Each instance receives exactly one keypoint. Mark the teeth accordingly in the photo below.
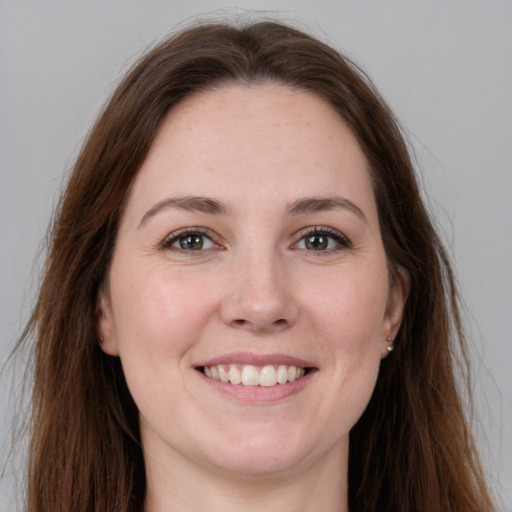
(249, 375)
(234, 374)
(282, 374)
(268, 376)
(223, 374)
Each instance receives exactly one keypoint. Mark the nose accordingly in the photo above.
(259, 297)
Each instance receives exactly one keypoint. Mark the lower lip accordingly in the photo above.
(259, 394)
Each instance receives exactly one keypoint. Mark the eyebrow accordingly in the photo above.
(322, 204)
(211, 206)
(187, 203)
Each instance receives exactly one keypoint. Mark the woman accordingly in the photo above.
(245, 305)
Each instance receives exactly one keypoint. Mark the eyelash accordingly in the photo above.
(341, 240)
(175, 236)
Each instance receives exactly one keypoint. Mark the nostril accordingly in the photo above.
(242, 323)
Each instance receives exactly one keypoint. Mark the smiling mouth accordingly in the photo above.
(250, 375)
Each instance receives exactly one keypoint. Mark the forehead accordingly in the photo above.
(274, 141)
(278, 115)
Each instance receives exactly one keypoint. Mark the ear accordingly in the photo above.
(398, 293)
(105, 324)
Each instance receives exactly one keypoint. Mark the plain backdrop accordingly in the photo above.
(445, 67)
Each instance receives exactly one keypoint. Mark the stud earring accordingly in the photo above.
(389, 347)
(102, 339)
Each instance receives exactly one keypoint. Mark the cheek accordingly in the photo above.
(351, 310)
(349, 321)
(157, 316)
(157, 321)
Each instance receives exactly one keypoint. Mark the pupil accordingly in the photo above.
(193, 242)
(316, 242)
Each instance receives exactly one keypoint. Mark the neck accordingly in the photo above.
(185, 487)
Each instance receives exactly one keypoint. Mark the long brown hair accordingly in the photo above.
(411, 449)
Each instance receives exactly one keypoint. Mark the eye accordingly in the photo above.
(322, 240)
(190, 240)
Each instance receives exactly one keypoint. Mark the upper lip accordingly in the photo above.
(244, 358)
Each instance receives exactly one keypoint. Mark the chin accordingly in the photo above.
(264, 455)
(260, 466)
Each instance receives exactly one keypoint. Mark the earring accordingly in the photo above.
(389, 347)
(102, 339)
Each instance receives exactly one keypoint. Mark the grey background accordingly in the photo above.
(445, 67)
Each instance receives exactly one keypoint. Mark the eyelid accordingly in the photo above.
(342, 240)
(171, 238)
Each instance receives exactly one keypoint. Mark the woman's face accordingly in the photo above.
(250, 249)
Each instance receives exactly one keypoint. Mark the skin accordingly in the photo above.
(255, 287)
